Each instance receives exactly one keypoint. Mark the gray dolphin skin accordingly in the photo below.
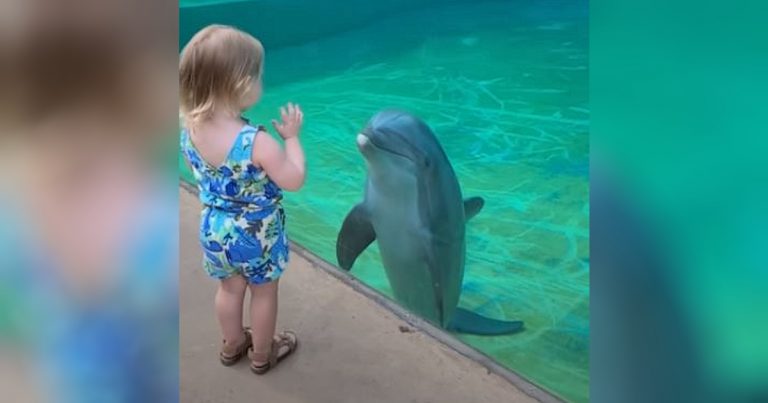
(414, 208)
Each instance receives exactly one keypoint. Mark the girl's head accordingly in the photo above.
(220, 71)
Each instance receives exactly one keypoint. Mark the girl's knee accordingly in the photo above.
(234, 285)
(266, 289)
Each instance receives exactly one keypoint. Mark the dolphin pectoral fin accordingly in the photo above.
(355, 235)
(472, 206)
(468, 322)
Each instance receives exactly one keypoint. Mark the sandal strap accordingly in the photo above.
(234, 352)
(261, 357)
(273, 354)
(284, 339)
(240, 348)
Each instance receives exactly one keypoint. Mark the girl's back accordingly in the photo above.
(221, 156)
(214, 139)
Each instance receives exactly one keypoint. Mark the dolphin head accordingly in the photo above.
(395, 138)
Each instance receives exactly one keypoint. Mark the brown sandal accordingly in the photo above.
(231, 357)
(287, 341)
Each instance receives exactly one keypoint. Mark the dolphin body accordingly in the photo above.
(414, 208)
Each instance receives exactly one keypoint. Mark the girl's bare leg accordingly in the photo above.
(229, 309)
(263, 317)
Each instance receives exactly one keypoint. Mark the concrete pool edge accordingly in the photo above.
(435, 333)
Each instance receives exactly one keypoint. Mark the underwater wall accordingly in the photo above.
(280, 23)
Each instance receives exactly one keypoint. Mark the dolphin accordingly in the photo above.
(414, 209)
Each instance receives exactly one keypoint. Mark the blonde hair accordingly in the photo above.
(217, 69)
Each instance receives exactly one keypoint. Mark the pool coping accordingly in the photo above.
(416, 322)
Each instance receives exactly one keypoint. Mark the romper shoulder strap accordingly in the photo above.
(243, 149)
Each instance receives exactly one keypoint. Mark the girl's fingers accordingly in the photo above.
(291, 114)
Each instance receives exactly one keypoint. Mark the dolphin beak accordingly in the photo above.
(362, 141)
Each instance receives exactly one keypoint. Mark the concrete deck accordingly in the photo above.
(352, 349)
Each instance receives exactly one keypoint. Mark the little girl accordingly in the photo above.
(240, 171)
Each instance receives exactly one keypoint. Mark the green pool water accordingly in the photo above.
(504, 85)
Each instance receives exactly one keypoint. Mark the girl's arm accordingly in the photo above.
(285, 167)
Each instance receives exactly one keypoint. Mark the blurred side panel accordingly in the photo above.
(679, 201)
(88, 201)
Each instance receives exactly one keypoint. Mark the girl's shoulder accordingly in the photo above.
(258, 128)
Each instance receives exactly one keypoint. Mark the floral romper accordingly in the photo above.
(242, 225)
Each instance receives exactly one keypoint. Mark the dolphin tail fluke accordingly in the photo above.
(472, 206)
(355, 235)
(469, 322)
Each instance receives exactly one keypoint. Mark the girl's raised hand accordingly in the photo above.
(292, 119)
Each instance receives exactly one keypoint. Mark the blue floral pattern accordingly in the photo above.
(242, 225)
